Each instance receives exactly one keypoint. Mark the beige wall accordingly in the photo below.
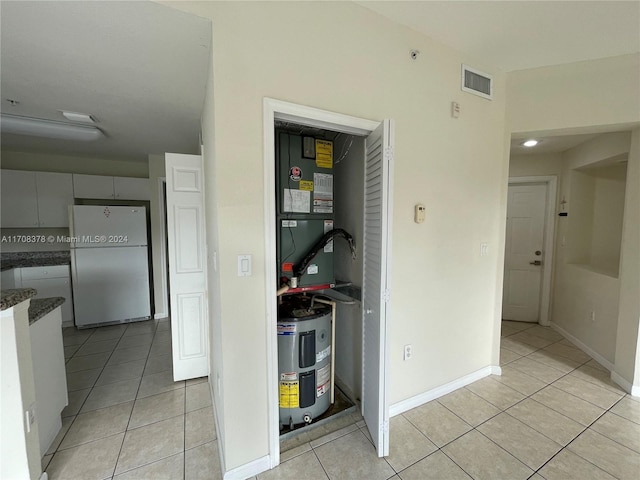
(44, 162)
(582, 283)
(627, 358)
(535, 165)
(357, 62)
(576, 95)
(589, 97)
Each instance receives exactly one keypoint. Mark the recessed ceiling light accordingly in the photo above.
(530, 143)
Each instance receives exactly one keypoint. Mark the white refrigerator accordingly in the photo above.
(109, 264)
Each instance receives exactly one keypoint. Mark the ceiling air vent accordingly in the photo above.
(477, 82)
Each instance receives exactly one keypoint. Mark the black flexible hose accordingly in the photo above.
(301, 267)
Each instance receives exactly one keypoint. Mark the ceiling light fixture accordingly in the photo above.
(39, 127)
(530, 143)
(79, 117)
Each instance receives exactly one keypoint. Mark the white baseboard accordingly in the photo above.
(627, 386)
(585, 348)
(421, 399)
(68, 323)
(249, 469)
(160, 315)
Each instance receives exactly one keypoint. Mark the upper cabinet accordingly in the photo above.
(118, 188)
(35, 199)
(55, 194)
(127, 188)
(92, 186)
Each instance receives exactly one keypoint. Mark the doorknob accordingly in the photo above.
(538, 252)
(369, 311)
(535, 262)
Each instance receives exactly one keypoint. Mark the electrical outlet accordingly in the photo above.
(408, 352)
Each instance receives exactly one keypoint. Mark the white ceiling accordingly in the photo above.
(516, 35)
(139, 68)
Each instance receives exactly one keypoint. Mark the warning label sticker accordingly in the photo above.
(323, 378)
(287, 329)
(306, 185)
(322, 389)
(289, 376)
(324, 153)
(289, 223)
(312, 269)
(328, 226)
(289, 394)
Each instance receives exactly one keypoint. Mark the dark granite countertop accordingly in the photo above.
(39, 307)
(34, 259)
(12, 297)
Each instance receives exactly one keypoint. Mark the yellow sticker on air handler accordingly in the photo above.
(289, 395)
(306, 185)
(324, 153)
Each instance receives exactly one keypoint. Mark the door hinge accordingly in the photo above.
(384, 427)
(388, 153)
(386, 295)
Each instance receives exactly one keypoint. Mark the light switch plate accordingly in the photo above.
(244, 265)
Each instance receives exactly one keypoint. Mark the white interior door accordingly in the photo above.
(375, 288)
(187, 265)
(524, 252)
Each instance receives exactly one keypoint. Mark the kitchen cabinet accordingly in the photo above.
(19, 199)
(54, 281)
(109, 188)
(128, 188)
(7, 279)
(35, 199)
(49, 375)
(55, 194)
(92, 186)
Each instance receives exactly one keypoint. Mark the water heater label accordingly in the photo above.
(287, 329)
(289, 395)
(323, 354)
(322, 380)
(289, 377)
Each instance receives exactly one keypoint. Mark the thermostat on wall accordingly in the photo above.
(419, 213)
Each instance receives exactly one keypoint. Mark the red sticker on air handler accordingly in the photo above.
(287, 267)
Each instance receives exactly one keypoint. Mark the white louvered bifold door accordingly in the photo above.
(375, 288)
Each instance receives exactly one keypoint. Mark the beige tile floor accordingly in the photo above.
(553, 414)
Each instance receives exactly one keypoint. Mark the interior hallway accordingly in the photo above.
(553, 414)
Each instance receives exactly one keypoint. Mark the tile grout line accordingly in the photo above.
(119, 339)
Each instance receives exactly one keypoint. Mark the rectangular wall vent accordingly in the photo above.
(477, 82)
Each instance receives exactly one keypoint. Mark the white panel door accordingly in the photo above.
(187, 265)
(375, 288)
(523, 252)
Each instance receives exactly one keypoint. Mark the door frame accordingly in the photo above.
(303, 115)
(551, 184)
